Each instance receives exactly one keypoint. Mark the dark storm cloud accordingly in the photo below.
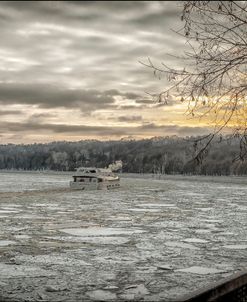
(84, 130)
(131, 118)
(127, 118)
(41, 115)
(127, 107)
(58, 128)
(127, 95)
(145, 101)
(10, 112)
(47, 96)
(50, 96)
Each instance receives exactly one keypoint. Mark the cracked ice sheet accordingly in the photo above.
(13, 271)
(55, 259)
(120, 264)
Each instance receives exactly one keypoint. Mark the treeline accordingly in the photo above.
(167, 155)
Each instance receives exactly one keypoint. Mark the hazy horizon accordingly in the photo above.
(124, 139)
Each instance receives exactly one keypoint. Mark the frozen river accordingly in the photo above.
(150, 240)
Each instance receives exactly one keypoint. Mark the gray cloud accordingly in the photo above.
(85, 55)
(68, 40)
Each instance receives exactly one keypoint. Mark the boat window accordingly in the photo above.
(92, 171)
(81, 180)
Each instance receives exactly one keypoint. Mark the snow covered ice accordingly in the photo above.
(151, 240)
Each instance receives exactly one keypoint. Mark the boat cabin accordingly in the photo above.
(84, 179)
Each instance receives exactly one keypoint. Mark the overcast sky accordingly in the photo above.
(71, 70)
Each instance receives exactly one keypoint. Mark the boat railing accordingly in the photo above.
(233, 288)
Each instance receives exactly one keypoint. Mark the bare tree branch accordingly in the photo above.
(214, 79)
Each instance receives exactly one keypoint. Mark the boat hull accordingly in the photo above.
(83, 186)
(106, 185)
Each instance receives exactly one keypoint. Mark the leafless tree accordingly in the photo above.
(213, 80)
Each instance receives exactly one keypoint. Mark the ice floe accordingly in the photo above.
(195, 240)
(101, 295)
(6, 242)
(101, 231)
(22, 236)
(169, 205)
(181, 245)
(236, 246)
(144, 210)
(8, 211)
(200, 270)
(133, 292)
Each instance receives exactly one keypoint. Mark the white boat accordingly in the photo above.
(94, 179)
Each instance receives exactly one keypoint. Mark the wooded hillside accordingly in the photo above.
(165, 155)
